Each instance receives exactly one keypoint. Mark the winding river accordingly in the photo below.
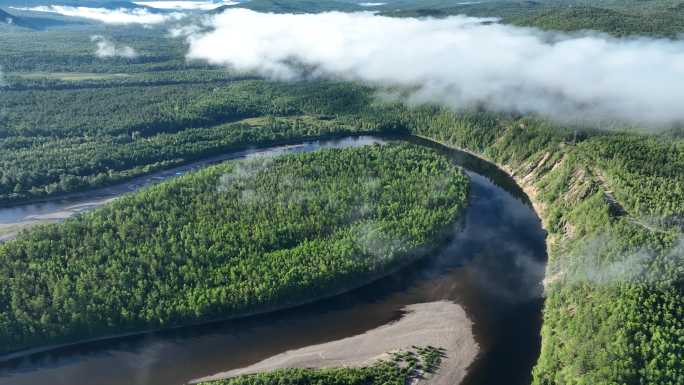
(493, 267)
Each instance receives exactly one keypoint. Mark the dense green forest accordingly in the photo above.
(401, 369)
(229, 240)
(64, 141)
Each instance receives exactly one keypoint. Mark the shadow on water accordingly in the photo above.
(493, 266)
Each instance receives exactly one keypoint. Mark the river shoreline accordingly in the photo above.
(441, 324)
(224, 154)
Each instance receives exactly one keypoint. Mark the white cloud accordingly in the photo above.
(107, 48)
(185, 31)
(186, 5)
(371, 4)
(461, 61)
(109, 16)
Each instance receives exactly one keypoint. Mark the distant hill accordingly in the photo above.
(6, 18)
(294, 6)
(436, 8)
(9, 20)
(631, 18)
(109, 4)
(118, 5)
(669, 23)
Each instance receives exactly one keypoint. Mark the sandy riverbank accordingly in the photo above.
(440, 324)
(9, 231)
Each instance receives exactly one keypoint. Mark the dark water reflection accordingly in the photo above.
(493, 267)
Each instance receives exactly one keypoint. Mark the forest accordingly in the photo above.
(233, 239)
(657, 18)
(134, 131)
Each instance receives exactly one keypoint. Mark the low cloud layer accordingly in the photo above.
(109, 16)
(461, 62)
(186, 5)
(108, 49)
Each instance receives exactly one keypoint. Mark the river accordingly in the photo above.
(493, 267)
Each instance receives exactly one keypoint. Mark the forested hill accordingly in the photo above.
(233, 239)
(666, 23)
(618, 18)
(10, 22)
(6, 18)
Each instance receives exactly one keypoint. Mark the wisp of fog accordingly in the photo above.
(107, 48)
(460, 62)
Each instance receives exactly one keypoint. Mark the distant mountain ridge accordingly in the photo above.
(294, 6)
(9, 20)
(6, 17)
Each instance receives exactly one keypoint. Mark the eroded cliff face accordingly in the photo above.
(611, 283)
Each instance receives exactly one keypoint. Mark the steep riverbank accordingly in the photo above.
(524, 174)
(615, 250)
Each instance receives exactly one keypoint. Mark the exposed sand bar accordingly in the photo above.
(441, 324)
(9, 231)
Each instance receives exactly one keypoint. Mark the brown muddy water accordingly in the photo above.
(493, 266)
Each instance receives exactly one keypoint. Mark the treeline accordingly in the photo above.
(71, 80)
(232, 239)
(401, 369)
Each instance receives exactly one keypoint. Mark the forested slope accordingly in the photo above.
(614, 312)
(655, 18)
(232, 239)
